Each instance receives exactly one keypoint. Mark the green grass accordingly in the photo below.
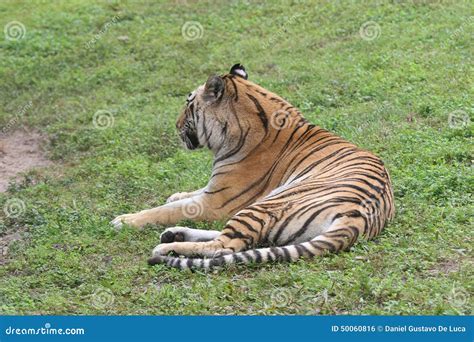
(391, 95)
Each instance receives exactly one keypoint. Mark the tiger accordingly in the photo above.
(286, 188)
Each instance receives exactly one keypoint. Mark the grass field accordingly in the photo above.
(105, 83)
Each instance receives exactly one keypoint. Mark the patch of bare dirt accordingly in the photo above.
(20, 151)
(446, 267)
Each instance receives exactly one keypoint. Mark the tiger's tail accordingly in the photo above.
(331, 241)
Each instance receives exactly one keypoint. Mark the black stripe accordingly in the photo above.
(236, 96)
(299, 250)
(219, 261)
(286, 252)
(258, 256)
(276, 252)
(245, 224)
(328, 245)
(251, 216)
(216, 191)
(237, 258)
(236, 149)
(303, 228)
(261, 113)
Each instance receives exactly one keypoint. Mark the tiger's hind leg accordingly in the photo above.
(339, 236)
(191, 249)
(246, 230)
(181, 234)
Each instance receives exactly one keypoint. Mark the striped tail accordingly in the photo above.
(333, 241)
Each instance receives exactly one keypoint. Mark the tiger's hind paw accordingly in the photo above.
(175, 234)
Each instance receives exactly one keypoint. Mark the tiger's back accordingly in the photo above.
(325, 185)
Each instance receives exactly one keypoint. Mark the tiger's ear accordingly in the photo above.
(239, 70)
(214, 88)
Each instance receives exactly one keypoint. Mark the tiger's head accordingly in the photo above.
(227, 112)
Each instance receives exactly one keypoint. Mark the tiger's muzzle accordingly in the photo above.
(190, 139)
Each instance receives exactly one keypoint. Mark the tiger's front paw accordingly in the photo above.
(134, 220)
(178, 196)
